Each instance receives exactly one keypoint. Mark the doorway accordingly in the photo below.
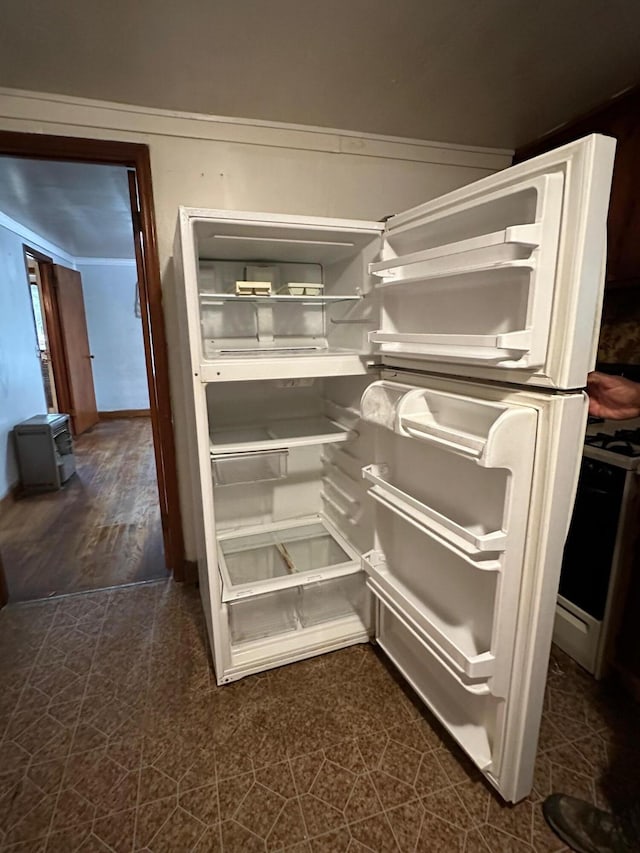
(145, 300)
(35, 278)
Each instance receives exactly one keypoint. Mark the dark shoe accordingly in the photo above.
(583, 827)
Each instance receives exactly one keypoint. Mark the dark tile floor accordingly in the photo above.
(115, 738)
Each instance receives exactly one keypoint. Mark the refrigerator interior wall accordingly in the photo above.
(312, 292)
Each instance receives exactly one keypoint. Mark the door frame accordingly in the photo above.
(51, 317)
(134, 156)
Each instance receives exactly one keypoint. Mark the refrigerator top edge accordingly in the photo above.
(196, 214)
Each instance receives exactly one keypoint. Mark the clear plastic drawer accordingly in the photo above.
(239, 468)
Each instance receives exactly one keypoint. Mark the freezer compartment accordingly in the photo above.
(241, 468)
(301, 613)
(268, 287)
(476, 284)
(249, 307)
(467, 710)
(285, 554)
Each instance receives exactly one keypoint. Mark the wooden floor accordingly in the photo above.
(102, 529)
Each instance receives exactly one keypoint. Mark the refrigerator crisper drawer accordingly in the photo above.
(281, 555)
(469, 712)
(242, 468)
(266, 616)
(293, 613)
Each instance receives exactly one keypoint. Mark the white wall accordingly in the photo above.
(21, 388)
(115, 333)
(204, 161)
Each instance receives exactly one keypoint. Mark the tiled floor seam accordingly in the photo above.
(17, 704)
(219, 824)
(397, 840)
(141, 762)
(28, 678)
(75, 728)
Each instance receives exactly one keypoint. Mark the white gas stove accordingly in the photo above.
(615, 442)
(600, 545)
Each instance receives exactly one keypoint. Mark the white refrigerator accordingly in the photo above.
(385, 426)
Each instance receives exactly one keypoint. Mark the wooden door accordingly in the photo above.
(75, 342)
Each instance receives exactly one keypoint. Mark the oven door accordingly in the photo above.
(588, 559)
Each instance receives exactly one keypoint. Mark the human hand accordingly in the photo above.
(613, 396)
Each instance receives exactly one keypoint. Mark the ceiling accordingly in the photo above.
(79, 207)
(482, 72)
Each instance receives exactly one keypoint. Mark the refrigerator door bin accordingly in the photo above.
(478, 296)
(240, 468)
(476, 428)
(487, 251)
(282, 555)
(467, 710)
(464, 610)
(473, 539)
(454, 642)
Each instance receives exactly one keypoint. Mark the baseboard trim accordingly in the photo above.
(124, 413)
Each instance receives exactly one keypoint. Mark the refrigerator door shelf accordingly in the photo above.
(488, 251)
(261, 559)
(455, 645)
(492, 433)
(484, 561)
(503, 277)
(441, 692)
(491, 348)
(466, 539)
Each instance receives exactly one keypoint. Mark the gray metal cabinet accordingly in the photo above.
(45, 452)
